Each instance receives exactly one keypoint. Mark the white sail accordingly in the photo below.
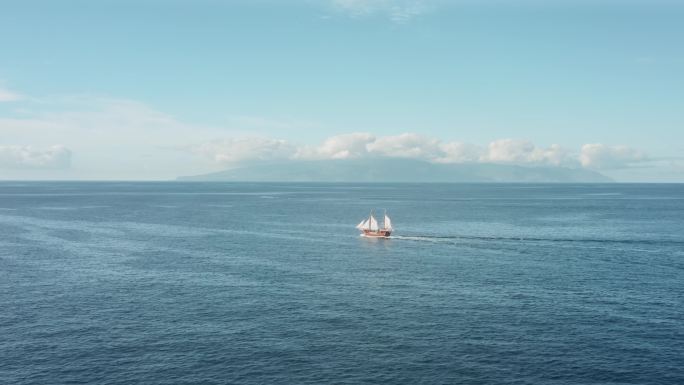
(362, 225)
(388, 223)
(374, 224)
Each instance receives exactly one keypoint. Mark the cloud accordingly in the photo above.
(346, 146)
(9, 96)
(361, 145)
(236, 150)
(406, 145)
(124, 139)
(601, 156)
(114, 138)
(25, 157)
(88, 117)
(127, 139)
(459, 152)
(525, 152)
(415, 146)
(396, 10)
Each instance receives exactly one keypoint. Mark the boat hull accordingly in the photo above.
(377, 234)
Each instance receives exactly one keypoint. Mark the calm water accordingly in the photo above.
(164, 283)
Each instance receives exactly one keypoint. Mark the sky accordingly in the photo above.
(155, 89)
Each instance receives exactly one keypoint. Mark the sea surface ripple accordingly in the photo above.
(269, 283)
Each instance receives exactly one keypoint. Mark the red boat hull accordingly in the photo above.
(377, 234)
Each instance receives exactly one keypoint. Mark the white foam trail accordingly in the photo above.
(410, 238)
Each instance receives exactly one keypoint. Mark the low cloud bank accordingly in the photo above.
(414, 146)
(28, 157)
(600, 156)
(235, 150)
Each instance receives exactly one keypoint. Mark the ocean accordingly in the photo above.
(270, 283)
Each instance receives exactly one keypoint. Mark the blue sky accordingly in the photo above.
(153, 89)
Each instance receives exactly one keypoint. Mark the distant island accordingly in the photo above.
(396, 170)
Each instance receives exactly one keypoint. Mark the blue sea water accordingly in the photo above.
(217, 283)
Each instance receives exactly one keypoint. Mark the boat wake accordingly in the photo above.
(416, 238)
(455, 238)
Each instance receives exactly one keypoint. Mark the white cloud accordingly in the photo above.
(346, 146)
(396, 10)
(9, 96)
(601, 156)
(525, 152)
(415, 146)
(114, 138)
(125, 139)
(459, 152)
(22, 157)
(235, 150)
(361, 145)
(509, 151)
(90, 118)
(406, 145)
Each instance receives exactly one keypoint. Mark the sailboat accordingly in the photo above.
(371, 228)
